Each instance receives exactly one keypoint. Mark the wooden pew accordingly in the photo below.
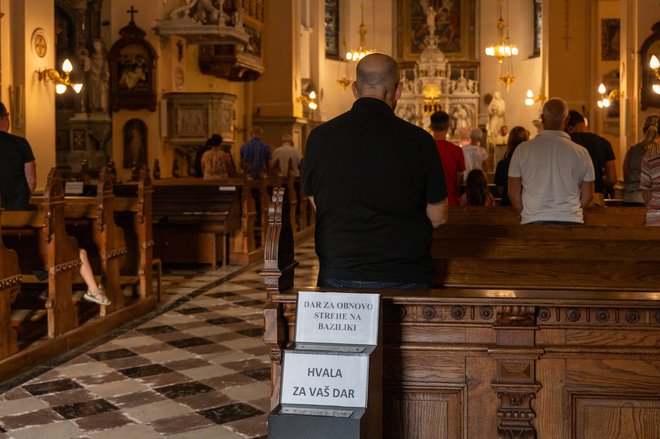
(192, 221)
(40, 239)
(133, 212)
(91, 220)
(613, 250)
(10, 285)
(45, 229)
(502, 362)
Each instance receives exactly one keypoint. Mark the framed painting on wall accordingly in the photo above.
(610, 37)
(454, 27)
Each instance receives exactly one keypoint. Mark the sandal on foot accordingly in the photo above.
(97, 296)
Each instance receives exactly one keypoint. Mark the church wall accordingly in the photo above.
(527, 69)
(6, 76)
(38, 97)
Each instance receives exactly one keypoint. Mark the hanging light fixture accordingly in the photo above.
(655, 66)
(503, 50)
(362, 51)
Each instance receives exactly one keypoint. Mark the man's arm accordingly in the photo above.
(586, 193)
(437, 213)
(311, 200)
(515, 189)
(30, 169)
(610, 173)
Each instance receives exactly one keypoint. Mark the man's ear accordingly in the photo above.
(356, 95)
(398, 91)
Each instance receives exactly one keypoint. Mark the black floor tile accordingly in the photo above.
(188, 342)
(258, 374)
(87, 408)
(251, 302)
(195, 310)
(252, 332)
(222, 295)
(229, 413)
(112, 355)
(52, 386)
(223, 320)
(164, 329)
(143, 371)
(183, 389)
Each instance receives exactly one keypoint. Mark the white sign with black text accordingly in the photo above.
(325, 379)
(344, 318)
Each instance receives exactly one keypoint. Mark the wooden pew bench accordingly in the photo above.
(10, 286)
(192, 222)
(41, 241)
(612, 250)
(498, 362)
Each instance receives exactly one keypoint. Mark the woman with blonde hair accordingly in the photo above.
(632, 164)
(649, 181)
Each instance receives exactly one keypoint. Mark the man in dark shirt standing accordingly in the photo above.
(378, 187)
(18, 170)
(600, 151)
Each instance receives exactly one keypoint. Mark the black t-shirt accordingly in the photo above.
(15, 152)
(371, 175)
(502, 179)
(600, 151)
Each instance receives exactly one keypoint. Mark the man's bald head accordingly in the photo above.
(555, 114)
(377, 76)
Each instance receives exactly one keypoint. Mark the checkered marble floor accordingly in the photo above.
(195, 368)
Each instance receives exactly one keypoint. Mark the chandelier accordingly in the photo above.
(360, 52)
(503, 50)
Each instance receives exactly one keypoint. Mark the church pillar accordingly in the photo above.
(276, 107)
(569, 51)
(31, 102)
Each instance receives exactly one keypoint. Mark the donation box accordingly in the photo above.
(332, 375)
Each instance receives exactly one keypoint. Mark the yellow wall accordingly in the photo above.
(38, 97)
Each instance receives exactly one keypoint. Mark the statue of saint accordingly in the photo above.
(496, 110)
(98, 76)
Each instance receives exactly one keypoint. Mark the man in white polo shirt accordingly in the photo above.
(551, 179)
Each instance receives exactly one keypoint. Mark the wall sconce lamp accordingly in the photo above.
(655, 66)
(531, 99)
(61, 80)
(607, 98)
(309, 100)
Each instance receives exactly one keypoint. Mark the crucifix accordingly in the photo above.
(132, 11)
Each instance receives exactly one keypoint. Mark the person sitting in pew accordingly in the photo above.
(632, 164)
(215, 163)
(649, 181)
(95, 292)
(476, 190)
(517, 135)
(18, 169)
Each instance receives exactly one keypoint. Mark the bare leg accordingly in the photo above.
(95, 292)
(86, 271)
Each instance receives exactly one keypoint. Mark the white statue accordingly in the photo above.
(98, 76)
(496, 110)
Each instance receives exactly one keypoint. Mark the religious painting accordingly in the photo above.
(454, 27)
(610, 37)
(135, 143)
(132, 70)
(332, 29)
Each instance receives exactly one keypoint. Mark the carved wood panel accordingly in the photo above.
(423, 412)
